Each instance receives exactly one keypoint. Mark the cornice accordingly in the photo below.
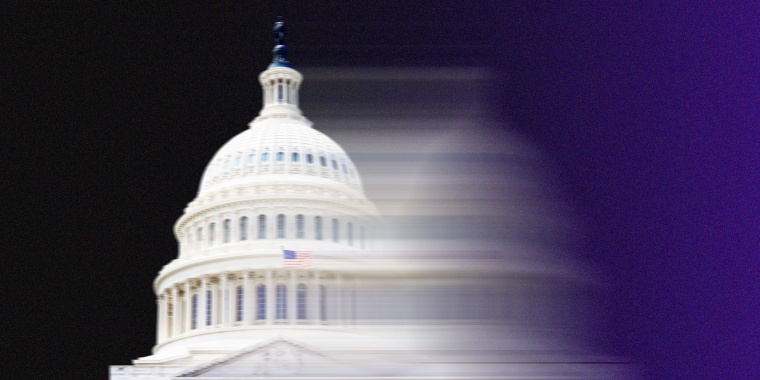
(310, 186)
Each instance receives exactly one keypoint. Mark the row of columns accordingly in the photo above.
(200, 235)
(280, 91)
(176, 307)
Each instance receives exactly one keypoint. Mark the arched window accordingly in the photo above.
(239, 305)
(282, 302)
(318, 227)
(227, 231)
(294, 157)
(350, 233)
(281, 226)
(244, 228)
(280, 156)
(299, 227)
(209, 302)
(335, 165)
(211, 233)
(322, 303)
(322, 161)
(194, 313)
(238, 159)
(261, 302)
(301, 302)
(335, 230)
(265, 157)
(251, 158)
(309, 158)
(262, 226)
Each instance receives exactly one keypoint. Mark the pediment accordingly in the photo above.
(277, 358)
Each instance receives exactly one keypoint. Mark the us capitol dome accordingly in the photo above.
(279, 183)
(282, 273)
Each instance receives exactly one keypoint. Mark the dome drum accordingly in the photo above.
(272, 226)
(272, 221)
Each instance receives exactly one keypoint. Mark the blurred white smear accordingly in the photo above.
(467, 276)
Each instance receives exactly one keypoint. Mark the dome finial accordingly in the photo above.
(279, 31)
(280, 52)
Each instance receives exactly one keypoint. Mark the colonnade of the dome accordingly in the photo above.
(250, 298)
(280, 86)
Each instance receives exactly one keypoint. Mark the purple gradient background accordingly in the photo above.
(649, 111)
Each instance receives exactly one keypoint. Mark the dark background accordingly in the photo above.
(649, 111)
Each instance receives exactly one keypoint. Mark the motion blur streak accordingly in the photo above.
(471, 260)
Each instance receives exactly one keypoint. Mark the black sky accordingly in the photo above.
(650, 112)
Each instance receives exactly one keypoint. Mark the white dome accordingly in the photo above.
(273, 149)
(278, 183)
(278, 188)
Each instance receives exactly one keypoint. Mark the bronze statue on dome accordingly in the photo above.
(279, 31)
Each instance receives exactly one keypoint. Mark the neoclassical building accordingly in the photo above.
(286, 269)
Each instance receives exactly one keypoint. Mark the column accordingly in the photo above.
(313, 298)
(339, 297)
(188, 309)
(248, 296)
(202, 303)
(177, 312)
(352, 303)
(215, 301)
(292, 297)
(159, 318)
(271, 301)
(224, 293)
(169, 312)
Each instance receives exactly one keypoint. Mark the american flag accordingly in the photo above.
(296, 259)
